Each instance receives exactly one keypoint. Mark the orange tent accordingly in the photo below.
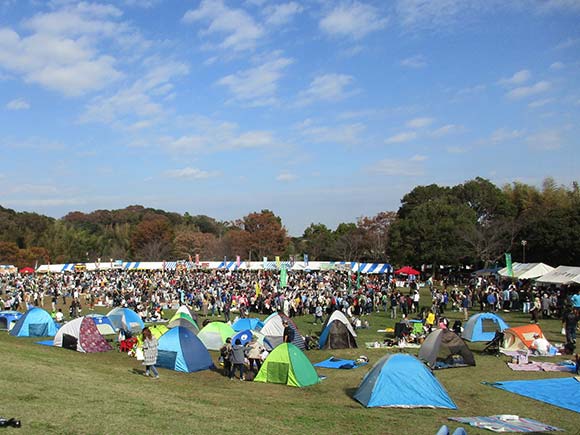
(520, 337)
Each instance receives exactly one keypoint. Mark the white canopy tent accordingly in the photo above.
(527, 270)
(562, 275)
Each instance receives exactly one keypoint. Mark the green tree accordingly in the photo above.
(318, 242)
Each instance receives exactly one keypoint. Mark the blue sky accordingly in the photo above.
(320, 110)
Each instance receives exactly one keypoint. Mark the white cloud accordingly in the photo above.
(394, 167)
(556, 66)
(342, 134)
(526, 91)
(418, 158)
(286, 177)
(240, 29)
(518, 78)
(546, 140)
(18, 104)
(277, 15)
(354, 20)
(209, 136)
(456, 150)
(502, 135)
(191, 173)
(417, 61)
(419, 122)
(447, 129)
(135, 106)
(327, 87)
(401, 137)
(257, 86)
(567, 43)
(63, 49)
(540, 103)
(434, 13)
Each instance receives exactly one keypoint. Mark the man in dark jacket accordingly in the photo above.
(238, 358)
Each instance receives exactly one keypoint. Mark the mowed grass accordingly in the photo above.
(55, 390)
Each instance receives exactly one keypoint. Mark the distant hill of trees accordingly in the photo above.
(472, 223)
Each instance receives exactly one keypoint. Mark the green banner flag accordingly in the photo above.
(283, 277)
(358, 278)
(508, 264)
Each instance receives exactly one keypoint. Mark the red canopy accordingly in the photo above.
(407, 270)
(27, 270)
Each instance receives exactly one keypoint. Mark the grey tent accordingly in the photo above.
(184, 323)
(447, 346)
(337, 333)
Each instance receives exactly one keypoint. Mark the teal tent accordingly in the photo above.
(35, 323)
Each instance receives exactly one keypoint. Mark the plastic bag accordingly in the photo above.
(563, 332)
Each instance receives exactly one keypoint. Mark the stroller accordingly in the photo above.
(492, 347)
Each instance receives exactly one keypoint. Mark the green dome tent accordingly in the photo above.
(288, 365)
(214, 334)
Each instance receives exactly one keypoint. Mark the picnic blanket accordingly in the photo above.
(338, 363)
(506, 423)
(377, 345)
(538, 366)
(561, 392)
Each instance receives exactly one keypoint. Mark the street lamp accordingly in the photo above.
(524, 243)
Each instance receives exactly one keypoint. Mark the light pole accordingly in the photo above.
(524, 243)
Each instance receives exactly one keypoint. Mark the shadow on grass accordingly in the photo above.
(350, 394)
(140, 372)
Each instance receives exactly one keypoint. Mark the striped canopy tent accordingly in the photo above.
(232, 265)
(378, 268)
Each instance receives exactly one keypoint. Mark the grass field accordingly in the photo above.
(54, 390)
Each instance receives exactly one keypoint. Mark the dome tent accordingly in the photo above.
(214, 335)
(273, 329)
(287, 365)
(402, 381)
(126, 319)
(482, 327)
(8, 319)
(36, 322)
(444, 341)
(337, 333)
(82, 335)
(183, 313)
(247, 323)
(180, 350)
(104, 324)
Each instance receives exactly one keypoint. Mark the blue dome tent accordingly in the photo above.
(402, 381)
(247, 323)
(8, 319)
(126, 319)
(181, 350)
(36, 322)
(482, 327)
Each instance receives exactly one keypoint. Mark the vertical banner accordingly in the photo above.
(508, 264)
(358, 278)
(225, 260)
(278, 262)
(265, 262)
(306, 260)
(197, 259)
(238, 261)
(258, 288)
(292, 261)
(283, 277)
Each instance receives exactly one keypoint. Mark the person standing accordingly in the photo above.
(238, 359)
(288, 332)
(535, 310)
(255, 350)
(150, 352)
(226, 354)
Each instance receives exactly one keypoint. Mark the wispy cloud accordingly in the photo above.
(502, 135)
(401, 137)
(18, 104)
(257, 86)
(417, 61)
(350, 134)
(556, 66)
(540, 103)
(419, 122)
(446, 130)
(567, 43)
(286, 177)
(240, 30)
(518, 78)
(546, 140)
(280, 14)
(191, 173)
(327, 87)
(527, 91)
(402, 168)
(354, 20)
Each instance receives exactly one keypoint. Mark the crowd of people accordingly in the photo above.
(316, 293)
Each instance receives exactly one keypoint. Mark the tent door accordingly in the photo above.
(278, 372)
(69, 342)
(38, 329)
(166, 359)
(3, 323)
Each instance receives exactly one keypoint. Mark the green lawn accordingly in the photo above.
(59, 391)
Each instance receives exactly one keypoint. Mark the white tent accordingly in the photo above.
(562, 275)
(526, 270)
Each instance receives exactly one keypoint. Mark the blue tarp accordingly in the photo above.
(561, 392)
(338, 363)
(46, 342)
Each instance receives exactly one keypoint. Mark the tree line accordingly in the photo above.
(473, 223)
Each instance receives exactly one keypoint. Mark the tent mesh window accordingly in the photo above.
(488, 325)
(69, 342)
(3, 323)
(38, 329)
(278, 372)
(166, 359)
